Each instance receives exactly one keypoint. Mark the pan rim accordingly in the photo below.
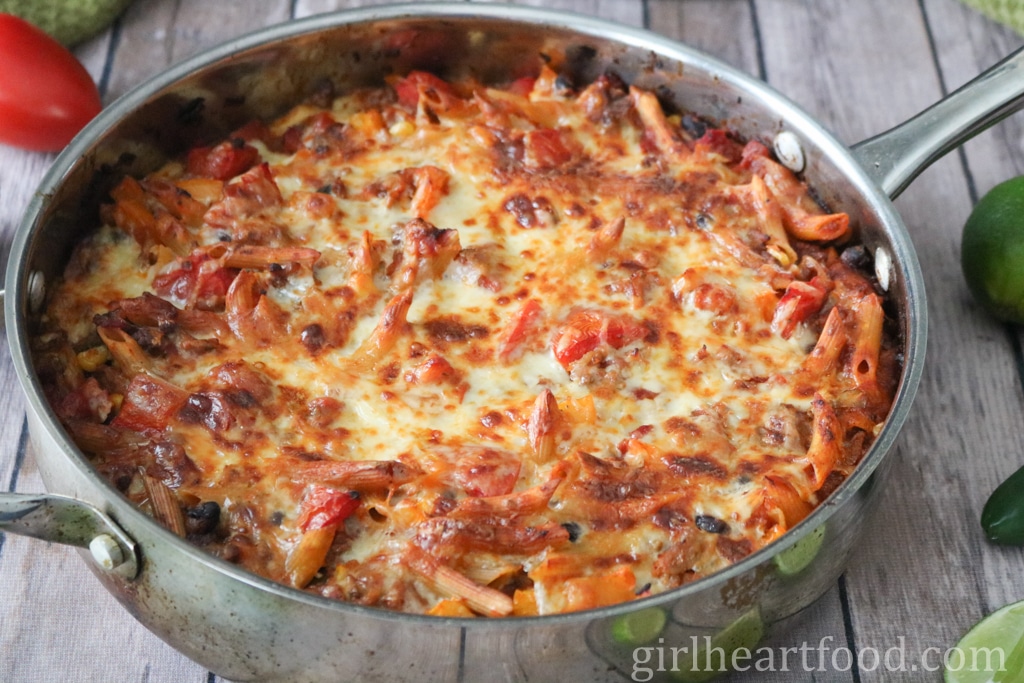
(904, 256)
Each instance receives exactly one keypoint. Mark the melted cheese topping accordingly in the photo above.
(455, 350)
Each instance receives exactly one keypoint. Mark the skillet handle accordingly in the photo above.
(894, 158)
(72, 522)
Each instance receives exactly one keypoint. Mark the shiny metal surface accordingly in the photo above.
(247, 628)
(894, 158)
(60, 519)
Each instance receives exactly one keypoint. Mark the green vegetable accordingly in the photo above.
(1003, 515)
(992, 251)
(713, 660)
(992, 651)
(636, 628)
(69, 22)
(794, 560)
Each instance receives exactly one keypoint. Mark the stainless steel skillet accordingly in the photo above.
(247, 628)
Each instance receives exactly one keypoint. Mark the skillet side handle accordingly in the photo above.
(894, 158)
(60, 519)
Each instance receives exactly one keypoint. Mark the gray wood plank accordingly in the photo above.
(722, 28)
(157, 33)
(990, 158)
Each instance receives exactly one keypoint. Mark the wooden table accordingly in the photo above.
(925, 573)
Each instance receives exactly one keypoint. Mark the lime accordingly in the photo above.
(716, 657)
(992, 251)
(69, 22)
(795, 559)
(636, 628)
(992, 651)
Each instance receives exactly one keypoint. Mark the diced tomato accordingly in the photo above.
(89, 401)
(752, 151)
(198, 277)
(800, 302)
(486, 471)
(408, 89)
(546, 149)
(212, 286)
(178, 282)
(718, 141)
(518, 328)
(323, 506)
(586, 329)
(149, 404)
(522, 86)
(291, 141)
(223, 162)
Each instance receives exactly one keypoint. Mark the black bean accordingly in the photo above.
(574, 531)
(203, 518)
(693, 125)
(856, 257)
(710, 524)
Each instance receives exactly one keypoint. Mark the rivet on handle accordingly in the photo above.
(883, 268)
(36, 291)
(789, 151)
(107, 552)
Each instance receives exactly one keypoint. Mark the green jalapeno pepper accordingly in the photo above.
(1003, 515)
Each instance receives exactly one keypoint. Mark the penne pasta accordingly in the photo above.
(484, 600)
(124, 350)
(431, 186)
(826, 446)
(606, 238)
(384, 336)
(258, 256)
(655, 123)
(769, 210)
(166, 509)
(824, 357)
(868, 319)
(307, 557)
(542, 426)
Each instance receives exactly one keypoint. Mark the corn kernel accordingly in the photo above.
(402, 128)
(90, 360)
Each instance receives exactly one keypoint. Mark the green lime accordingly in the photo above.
(795, 559)
(636, 628)
(992, 651)
(717, 654)
(992, 251)
(69, 22)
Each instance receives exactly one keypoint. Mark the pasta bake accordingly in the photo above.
(467, 349)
